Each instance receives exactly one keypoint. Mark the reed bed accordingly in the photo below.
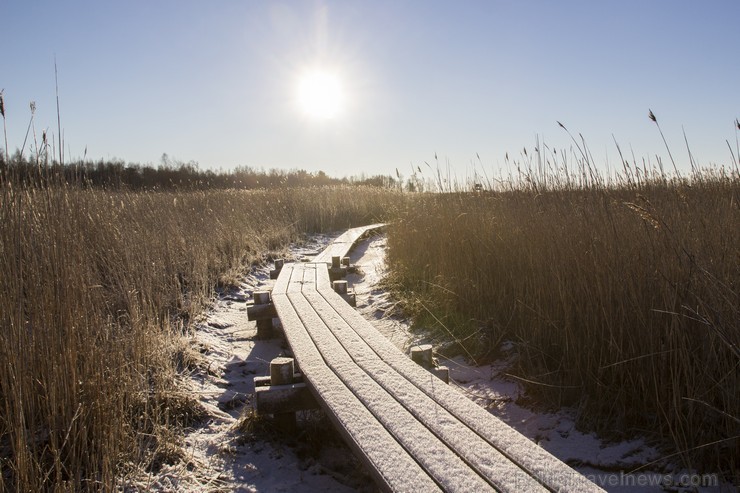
(622, 298)
(96, 291)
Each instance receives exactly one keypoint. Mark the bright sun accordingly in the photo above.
(320, 94)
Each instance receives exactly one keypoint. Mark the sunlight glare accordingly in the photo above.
(320, 94)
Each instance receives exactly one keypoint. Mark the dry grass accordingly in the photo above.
(623, 299)
(96, 289)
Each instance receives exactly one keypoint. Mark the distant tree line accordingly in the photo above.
(168, 175)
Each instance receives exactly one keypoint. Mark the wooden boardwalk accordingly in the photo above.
(414, 432)
(341, 246)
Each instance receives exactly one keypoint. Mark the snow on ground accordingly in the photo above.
(219, 458)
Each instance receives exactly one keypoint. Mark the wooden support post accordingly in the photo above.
(422, 354)
(281, 373)
(264, 326)
(337, 271)
(261, 297)
(340, 287)
(274, 273)
(349, 268)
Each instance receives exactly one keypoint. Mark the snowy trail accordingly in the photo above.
(220, 459)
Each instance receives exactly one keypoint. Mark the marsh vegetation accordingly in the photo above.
(96, 291)
(621, 293)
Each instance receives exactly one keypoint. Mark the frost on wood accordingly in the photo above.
(342, 356)
(393, 464)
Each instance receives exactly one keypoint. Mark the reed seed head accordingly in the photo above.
(652, 116)
(2, 104)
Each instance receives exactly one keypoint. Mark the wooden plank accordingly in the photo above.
(394, 469)
(498, 470)
(341, 246)
(275, 399)
(261, 312)
(264, 381)
(283, 280)
(439, 460)
(519, 449)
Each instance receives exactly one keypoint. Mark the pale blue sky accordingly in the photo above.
(214, 81)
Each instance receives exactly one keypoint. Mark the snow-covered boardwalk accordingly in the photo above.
(414, 432)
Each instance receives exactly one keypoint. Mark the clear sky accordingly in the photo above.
(219, 82)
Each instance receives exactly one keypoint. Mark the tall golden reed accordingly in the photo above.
(96, 289)
(622, 299)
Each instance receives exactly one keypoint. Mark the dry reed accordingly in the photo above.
(622, 298)
(96, 289)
